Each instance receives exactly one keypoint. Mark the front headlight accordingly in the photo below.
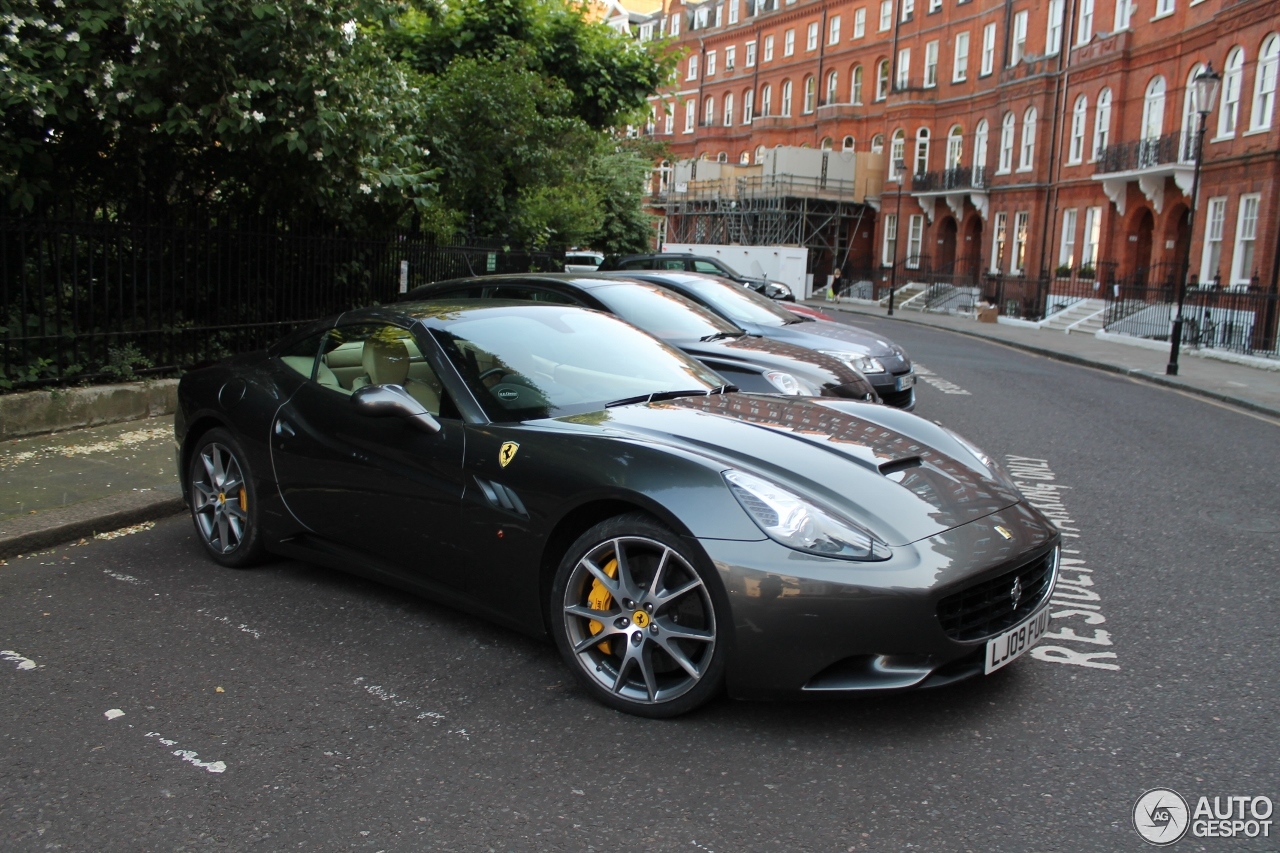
(860, 363)
(789, 384)
(791, 520)
(778, 290)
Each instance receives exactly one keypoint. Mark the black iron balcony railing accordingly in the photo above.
(1145, 153)
(958, 178)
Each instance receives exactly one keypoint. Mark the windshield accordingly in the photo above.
(540, 361)
(739, 304)
(660, 312)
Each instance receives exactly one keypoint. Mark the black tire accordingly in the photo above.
(223, 498)
(664, 616)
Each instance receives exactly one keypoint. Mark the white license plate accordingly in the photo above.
(1007, 647)
(905, 382)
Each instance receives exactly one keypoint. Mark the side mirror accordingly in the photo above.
(382, 401)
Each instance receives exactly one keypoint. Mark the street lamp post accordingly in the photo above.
(899, 168)
(1204, 91)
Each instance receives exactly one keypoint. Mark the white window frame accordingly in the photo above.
(960, 60)
(1079, 118)
(1084, 27)
(1243, 257)
(768, 48)
(766, 99)
(728, 109)
(1092, 237)
(935, 6)
(748, 106)
(860, 22)
(810, 95)
(675, 25)
(1021, 227)
(691, 72)
(1263, 109)
(709, 113)
(857, 78)
(883, 79)
(730, 57)
(931, 64)
(1101, 124)
(1124, 15)
(908, 9)
(886, 15)
(915, 241)
(669, 124)
(711, 63)
(690, 114)
(1027, 152)
(1007, 129)
(955, 148)
(831, 94)
(1153, 106)
(988, 49)
(733, 11)
(1164, 8)
(788, 42)
(1229, 104)
(811, 36)
(920, 165)
(833, 30)
(749, 60)
(897, 151)
(1067, 245)
(1018, 47)
(999, 238)
(980, 136)
(787, 92)
(903, 78)
(1215, 221)
(889, 245)
(1053, 37)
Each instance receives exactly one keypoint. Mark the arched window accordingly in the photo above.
(664, 175)
(855, 85)
(728, 110)
(1006, 143)
(1190, 119)
(1102, 123)
(722, 157)
(1264, 87)
(848, 144)
(766, 100)
(810, 94)
(877, 144)
(833, 87)
(1027, 159)
(897, 151)
(1079, 113)
(980, 154)
(709, 114)
(744, 158)
(748, 105)
(1153, 109)
(922, 151)
(827, 143)
(759, 153)
(1229, 110)
(955, 147)
(786, 97)
(882, 79)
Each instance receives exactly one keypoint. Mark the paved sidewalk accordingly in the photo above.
(1249, 387)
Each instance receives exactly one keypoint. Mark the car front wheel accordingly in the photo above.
(224, 502)
(638, 618)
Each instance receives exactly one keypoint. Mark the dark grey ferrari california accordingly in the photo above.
(559, 471)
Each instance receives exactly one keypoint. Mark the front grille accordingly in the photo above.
(985, 609)
(897, 399)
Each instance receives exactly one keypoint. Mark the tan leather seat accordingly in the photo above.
(387, 363)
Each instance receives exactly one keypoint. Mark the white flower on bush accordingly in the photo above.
(349, 31)
(366, 189)
(257, 116)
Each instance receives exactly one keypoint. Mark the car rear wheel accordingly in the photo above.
(638, 618)
(224, 502)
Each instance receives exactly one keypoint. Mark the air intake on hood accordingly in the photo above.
(893, 466)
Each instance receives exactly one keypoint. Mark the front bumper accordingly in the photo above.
(804, 624)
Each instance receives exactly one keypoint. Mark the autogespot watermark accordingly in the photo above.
(1162, 816)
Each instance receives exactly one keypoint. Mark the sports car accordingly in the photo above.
(563, 473)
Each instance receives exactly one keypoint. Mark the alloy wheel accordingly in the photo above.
(220, 499)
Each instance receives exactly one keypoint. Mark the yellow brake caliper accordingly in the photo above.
(600, 599)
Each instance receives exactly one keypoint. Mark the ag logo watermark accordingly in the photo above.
(1162, 816)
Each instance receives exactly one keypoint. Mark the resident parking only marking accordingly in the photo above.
(1074, 596)
(14, 657)
(943, 385)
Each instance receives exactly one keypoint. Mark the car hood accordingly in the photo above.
(900, 476)
(779, 355)
(871, 343)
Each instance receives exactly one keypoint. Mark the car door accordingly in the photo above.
(375, 484)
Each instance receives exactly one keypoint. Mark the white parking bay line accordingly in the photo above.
(253, 632)
(14, 657)
(189, 756)
(943, 385)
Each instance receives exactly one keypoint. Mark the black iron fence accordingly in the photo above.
(103, 300)
(958, 178)
(1145, 153)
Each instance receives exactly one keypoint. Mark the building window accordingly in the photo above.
(1190, 118)
(1006, 144)
(1153, 109)
(833, 87)
(810, 94)
(855, 85)
(1164, 7)
(833, 30)
(931, 64)
(1084, 29)
(960, 63)
(1246, 235)
(877, 144)
(908, 9)
(733, 13)
(998, 241)
(1053, 38)
(897, 153)
(922, 151)
(711, 63)
(766, 100)
(935, 6)
(748, 105)
(848, 144)
(1067, 249)
(886, 14)
(709, 115)
(904, 68)
(692, 73)
(1027, 159)
(915, 240)
(1229, 111)
(955, 147)
(768, 48)
(744, 158)
(1211, 260)
(1092, 235)
(759, 153)
(1075, 149)
(1264, 88)
(730, 58)
(1101, 123)
(786, 97)
(675, 25)
(690, 113)
(1124, 13)
(669, 123)
(728, 110)
(1019, 261)
(889, 253)
(751, 55)
(811, 37)
(1019, 47)
(980, 153)
(882, 79)
(646, 32)
(860, 23)
(788, 42)
(988, 49)
(827, 143)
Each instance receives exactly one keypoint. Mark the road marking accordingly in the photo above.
(943, 385)
(188, 756)
(121, 577)
(380, 692)
(1073, 594)
(253, 632)
(14, 657)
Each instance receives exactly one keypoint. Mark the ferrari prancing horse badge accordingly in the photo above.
(507, 453)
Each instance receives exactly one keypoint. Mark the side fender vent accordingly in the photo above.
(501, 497)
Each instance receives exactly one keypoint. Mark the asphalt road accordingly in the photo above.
(295, 708)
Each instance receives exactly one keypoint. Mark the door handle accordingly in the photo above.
(283, 428)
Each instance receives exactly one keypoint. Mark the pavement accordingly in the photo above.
(82, 483)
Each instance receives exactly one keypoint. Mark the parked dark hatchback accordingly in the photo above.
(750, 362)
(678, 261)
(885, 364)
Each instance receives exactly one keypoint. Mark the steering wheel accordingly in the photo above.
(494, 371)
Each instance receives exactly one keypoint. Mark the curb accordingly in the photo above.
(38, 412)
(27, 533)
(1133, 373)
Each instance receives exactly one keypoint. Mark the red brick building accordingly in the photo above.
(1036, 136)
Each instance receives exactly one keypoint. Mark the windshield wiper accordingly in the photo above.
(669, 395)
(719, 336)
